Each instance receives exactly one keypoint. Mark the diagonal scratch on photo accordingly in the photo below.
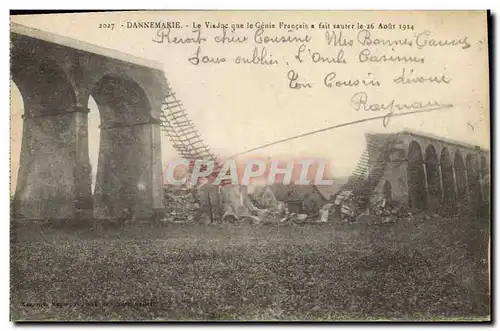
(250, 166)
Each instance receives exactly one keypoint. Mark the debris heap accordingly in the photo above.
(181, 205)
(232, 204)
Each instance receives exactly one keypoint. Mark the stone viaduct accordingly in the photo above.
(429, 172)
(56, 76)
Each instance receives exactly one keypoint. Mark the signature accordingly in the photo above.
(360, 102)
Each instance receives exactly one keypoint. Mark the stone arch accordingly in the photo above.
(447, 177)
(460, 177)
(433, 176)
(471, 165)
(95, 79)
(122, 181)
(121, 100)
(44, 85)
(416, 176)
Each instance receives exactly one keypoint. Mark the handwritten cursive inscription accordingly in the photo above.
(397, 58)
(360, 102)
(409, 77)
(165, 36)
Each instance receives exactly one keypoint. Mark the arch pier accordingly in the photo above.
(56, 76)
(434, 173)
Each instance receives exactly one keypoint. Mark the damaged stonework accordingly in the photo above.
(209, 203)
(392, 177)
(182, 204)
(421, 172)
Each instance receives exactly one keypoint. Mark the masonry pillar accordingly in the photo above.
(426, 183)
(83, 176)
(129, 170)
(52, 181)
(129, 174)
(455, 185)
(406, 191)
(441, 181)
(467, 193)
(482, 187)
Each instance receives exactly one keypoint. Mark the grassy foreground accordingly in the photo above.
(433, 270)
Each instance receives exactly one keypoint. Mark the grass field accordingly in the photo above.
(413, 270)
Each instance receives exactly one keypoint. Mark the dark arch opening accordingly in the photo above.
(416, 177)
(123, 106)
(447, 178)
(473, 179)
(460, 177)
(433, 181)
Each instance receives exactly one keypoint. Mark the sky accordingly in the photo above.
(238, 107)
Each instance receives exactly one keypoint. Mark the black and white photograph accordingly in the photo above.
(267, 166)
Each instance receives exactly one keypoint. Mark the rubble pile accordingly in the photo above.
(234, 205)
(270, 217)
(379, 210)
(214, 205)
(181, 206)
(385, 212)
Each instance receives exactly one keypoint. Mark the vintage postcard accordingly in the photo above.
(250, 166)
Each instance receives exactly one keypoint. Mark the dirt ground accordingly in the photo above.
(435, 269)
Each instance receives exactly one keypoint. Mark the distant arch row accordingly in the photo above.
(446, 179)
